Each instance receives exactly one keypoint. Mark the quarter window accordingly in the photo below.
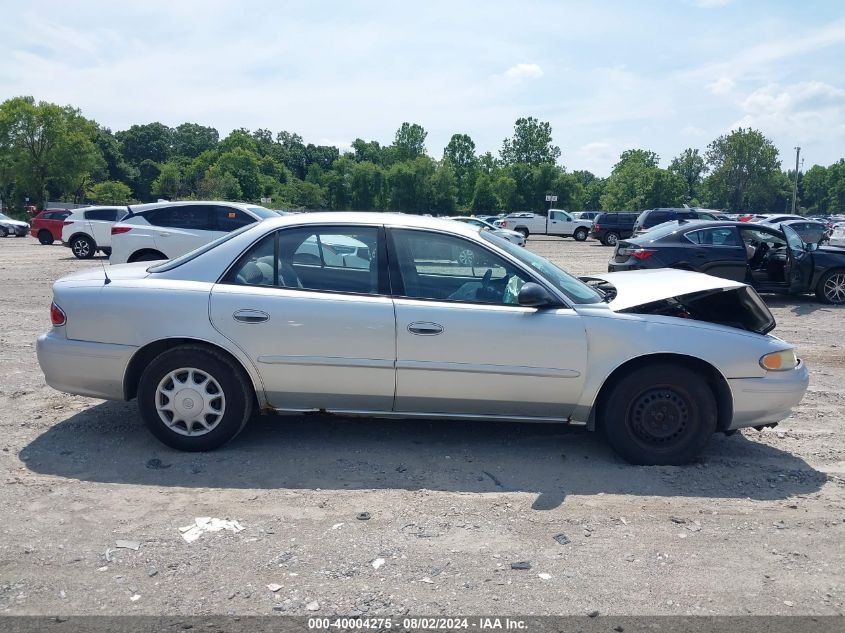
(109, 215)
(448, 268)
(231, 219)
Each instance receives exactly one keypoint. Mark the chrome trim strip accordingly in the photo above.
(327, 361)
(504, 370)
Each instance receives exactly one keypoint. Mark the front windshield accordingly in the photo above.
(173, 263)
(3, 216)
(575, 289)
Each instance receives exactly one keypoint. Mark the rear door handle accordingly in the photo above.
(251, 316)
(425, 328)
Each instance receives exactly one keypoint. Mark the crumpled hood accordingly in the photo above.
(638, 287)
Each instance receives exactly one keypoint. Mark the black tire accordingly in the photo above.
(83, 247)
(522, 230)
(611, 238)
(580, 234)
(106, 252)
(662, 414)
(148, 257)
(3, 232)
(236, 395)
(831, 287)
(45, 237)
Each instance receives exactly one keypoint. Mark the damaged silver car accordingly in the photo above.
(433, 320)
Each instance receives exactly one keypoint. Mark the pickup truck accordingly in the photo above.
(557, 222)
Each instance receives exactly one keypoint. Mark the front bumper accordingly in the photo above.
(84, 368)
(759, 401)
(18, 231)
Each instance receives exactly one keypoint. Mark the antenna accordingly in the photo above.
(93, 237)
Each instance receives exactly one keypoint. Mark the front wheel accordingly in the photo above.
(580, 234)
(194, 399)
(45, 237)
(831, 287)
(83, 247)
(659, 415)
(3, 232)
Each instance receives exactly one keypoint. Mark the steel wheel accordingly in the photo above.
(834, 288)
(190, 401)
(466, 257)
(659, 416)
(611, 239)
(580, 234)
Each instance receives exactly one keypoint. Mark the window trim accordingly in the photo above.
(713, 228)
(396, 274)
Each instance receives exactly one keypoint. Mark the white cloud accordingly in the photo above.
(805, 112)
(710, 4)
(598, 156)
(721, 86)
(520, 72)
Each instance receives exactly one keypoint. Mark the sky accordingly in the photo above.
(662, 75)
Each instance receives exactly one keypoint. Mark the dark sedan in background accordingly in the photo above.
(771, 259)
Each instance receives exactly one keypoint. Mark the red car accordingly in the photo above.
(47, 225)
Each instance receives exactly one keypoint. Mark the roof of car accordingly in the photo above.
(141, 208)
(363, 217)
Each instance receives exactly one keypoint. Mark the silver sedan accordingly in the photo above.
(384, 315)
(482, 225)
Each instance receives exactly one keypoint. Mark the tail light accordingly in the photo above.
(117, 230)
(637, 253)
(57, 315)
(66, 222)
(503, 224)
(596, 226)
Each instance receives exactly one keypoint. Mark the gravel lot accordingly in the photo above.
(756, 527)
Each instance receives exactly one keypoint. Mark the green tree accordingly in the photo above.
(47, 146)
(219, 185)
(505, 189)
(245, 166)
(409, 183)
(192, 139)
(637, 183)
(460, 154)
(409, 142)
(110, 192)
(151, 141)
(483, 198)
(369, 151)
(444, 190)
(744, 166)
(367, 186)
(836, 187)
(690, 166)
(531, 143)
(168, 182)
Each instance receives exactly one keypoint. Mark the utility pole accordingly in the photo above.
(795, 184)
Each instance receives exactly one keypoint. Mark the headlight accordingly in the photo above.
(780, 361)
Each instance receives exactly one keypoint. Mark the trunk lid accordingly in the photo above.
(138, 270)
(687, 295)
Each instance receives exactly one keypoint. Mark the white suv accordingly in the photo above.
(165, 230)
(88, 230)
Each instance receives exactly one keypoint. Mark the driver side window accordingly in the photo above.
(449, 268)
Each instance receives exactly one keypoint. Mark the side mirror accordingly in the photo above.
(533, 295)
(811, 247)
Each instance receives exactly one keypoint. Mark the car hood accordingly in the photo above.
(637, 287)
(685, 294)
(13, 222)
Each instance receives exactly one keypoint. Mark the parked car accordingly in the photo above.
(47, 225)
(775, 218)
(837, 236)
(557, 222)
(609, 228)
(88, 230)
(772, 260)
(164, 230)
(511, 236)
(490, 219)
(652, 217)
(585, 215)
(656, 360)
(10, 226)
(810, 231)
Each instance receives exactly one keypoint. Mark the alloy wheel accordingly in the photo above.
(834, 288)
(81, 248)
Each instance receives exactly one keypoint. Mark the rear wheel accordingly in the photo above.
(611, 239)
(580, 234)
(522, 230)
(45, 237)
(149, 256)
(194, 399)
(83, 247)
(3, 232)
(657, 415)
(831, 287)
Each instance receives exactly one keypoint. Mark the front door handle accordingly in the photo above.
(161, 234)
(251, 316)
(425, 328)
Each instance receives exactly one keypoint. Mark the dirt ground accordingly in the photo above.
(756, 527)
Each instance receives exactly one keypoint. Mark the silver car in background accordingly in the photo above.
(483, 225)
(376, 315)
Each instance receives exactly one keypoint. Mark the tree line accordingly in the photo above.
(53, 152)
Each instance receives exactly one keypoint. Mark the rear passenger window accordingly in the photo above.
(109, 215)
(197, 217)
(658, 217)
(721, 236)
(257, 267)
(231, 219)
